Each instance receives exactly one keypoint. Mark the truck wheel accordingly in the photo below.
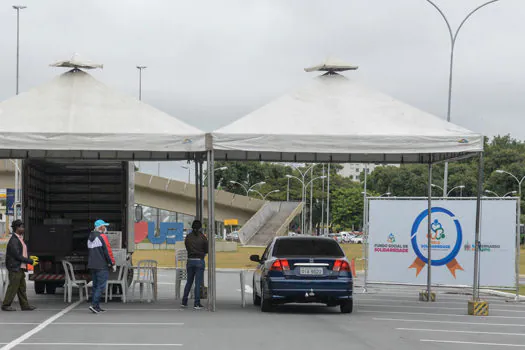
(51, 288)
(40, 287)
(347, 306)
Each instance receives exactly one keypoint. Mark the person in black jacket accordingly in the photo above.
(16, 262)
(100, 259)
(197, 248)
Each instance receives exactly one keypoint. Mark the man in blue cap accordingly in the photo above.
(100, 260)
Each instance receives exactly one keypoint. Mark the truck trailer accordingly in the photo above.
(61, 200)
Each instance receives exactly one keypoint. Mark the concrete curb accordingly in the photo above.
(503, 294)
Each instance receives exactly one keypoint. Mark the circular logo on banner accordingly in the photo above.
(446, 237)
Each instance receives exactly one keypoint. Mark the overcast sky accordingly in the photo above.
(210, 62)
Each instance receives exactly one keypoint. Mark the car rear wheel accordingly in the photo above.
(347, 307)
(256, 298)
(266, 304)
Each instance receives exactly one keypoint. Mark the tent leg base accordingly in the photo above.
(478, 308)
(423, 296)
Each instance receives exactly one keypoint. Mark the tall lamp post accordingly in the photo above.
(263, 196)
(303, 223)
(461, 187)
(453, 39)
(518, 224)
(248, 190)
(17, 168)
(497, 195)
(303, 194)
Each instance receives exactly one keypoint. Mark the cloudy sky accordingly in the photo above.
(210, 62)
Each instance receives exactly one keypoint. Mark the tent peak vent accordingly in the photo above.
(331, 65)
(76, 61)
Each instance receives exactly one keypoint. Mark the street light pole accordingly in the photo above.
(17, 168)
(322, 207)
(311, 197)
(328, 200)
(140, 68)
(518, 226)
(453, 38)
(18, 8)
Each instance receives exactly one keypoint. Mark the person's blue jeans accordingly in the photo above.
(195, 270)
(99, 278)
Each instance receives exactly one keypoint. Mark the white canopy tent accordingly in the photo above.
(77, 117)
(335, 119)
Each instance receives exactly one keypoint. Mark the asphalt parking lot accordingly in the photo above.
(384, 318)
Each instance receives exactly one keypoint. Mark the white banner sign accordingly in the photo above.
(398, 249)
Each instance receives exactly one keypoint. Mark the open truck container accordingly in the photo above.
(61, 201)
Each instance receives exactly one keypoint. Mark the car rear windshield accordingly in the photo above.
(307, 247)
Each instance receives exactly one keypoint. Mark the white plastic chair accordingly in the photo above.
(121, 281)
(181, 274)
(72, 282)
(144, 276)
(4, 280)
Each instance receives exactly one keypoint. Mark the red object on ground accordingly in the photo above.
(141, 231)
(352, 267)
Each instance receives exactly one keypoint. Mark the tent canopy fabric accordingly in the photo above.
(336, 119)
(76, 116)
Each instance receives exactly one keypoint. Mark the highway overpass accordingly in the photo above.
(171, 195)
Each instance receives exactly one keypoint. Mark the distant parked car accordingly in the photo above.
(357, 240)
(336, 236)
(347, 237)
(233, 236)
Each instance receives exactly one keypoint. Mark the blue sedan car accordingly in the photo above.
(303, 270)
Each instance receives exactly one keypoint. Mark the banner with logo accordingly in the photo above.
(398, 241)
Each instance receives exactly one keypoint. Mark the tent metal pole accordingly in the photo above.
(365, 232)
(321, 232)
(201, 188)
(475, 291)
(211, 235)
(328, 200)
(197, 192)
(429, 233)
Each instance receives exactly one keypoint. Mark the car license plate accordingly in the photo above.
(311, 271)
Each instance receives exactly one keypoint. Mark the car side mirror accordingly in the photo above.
(255, 258)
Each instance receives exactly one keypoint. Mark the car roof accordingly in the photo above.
(297, 238)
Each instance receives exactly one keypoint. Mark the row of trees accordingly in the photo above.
(346, 198)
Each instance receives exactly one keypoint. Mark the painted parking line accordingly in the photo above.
(437, 307)
(449, 322)
(126, 310)
(41, 326)
(415, 298)
(102, 344)
(118, 324)
(471, 343)
(433, 314)
(456, 331)
(439, 303)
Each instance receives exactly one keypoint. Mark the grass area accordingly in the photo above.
(238, 259)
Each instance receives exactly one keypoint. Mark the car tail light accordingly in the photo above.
(280, 265)
(341, 266)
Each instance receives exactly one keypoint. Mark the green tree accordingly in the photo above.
(347, 206)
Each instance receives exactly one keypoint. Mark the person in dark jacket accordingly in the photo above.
(16, 262)
(197, 248)
(100, 260)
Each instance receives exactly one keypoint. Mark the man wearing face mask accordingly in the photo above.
(16, 262)
(100, 260)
